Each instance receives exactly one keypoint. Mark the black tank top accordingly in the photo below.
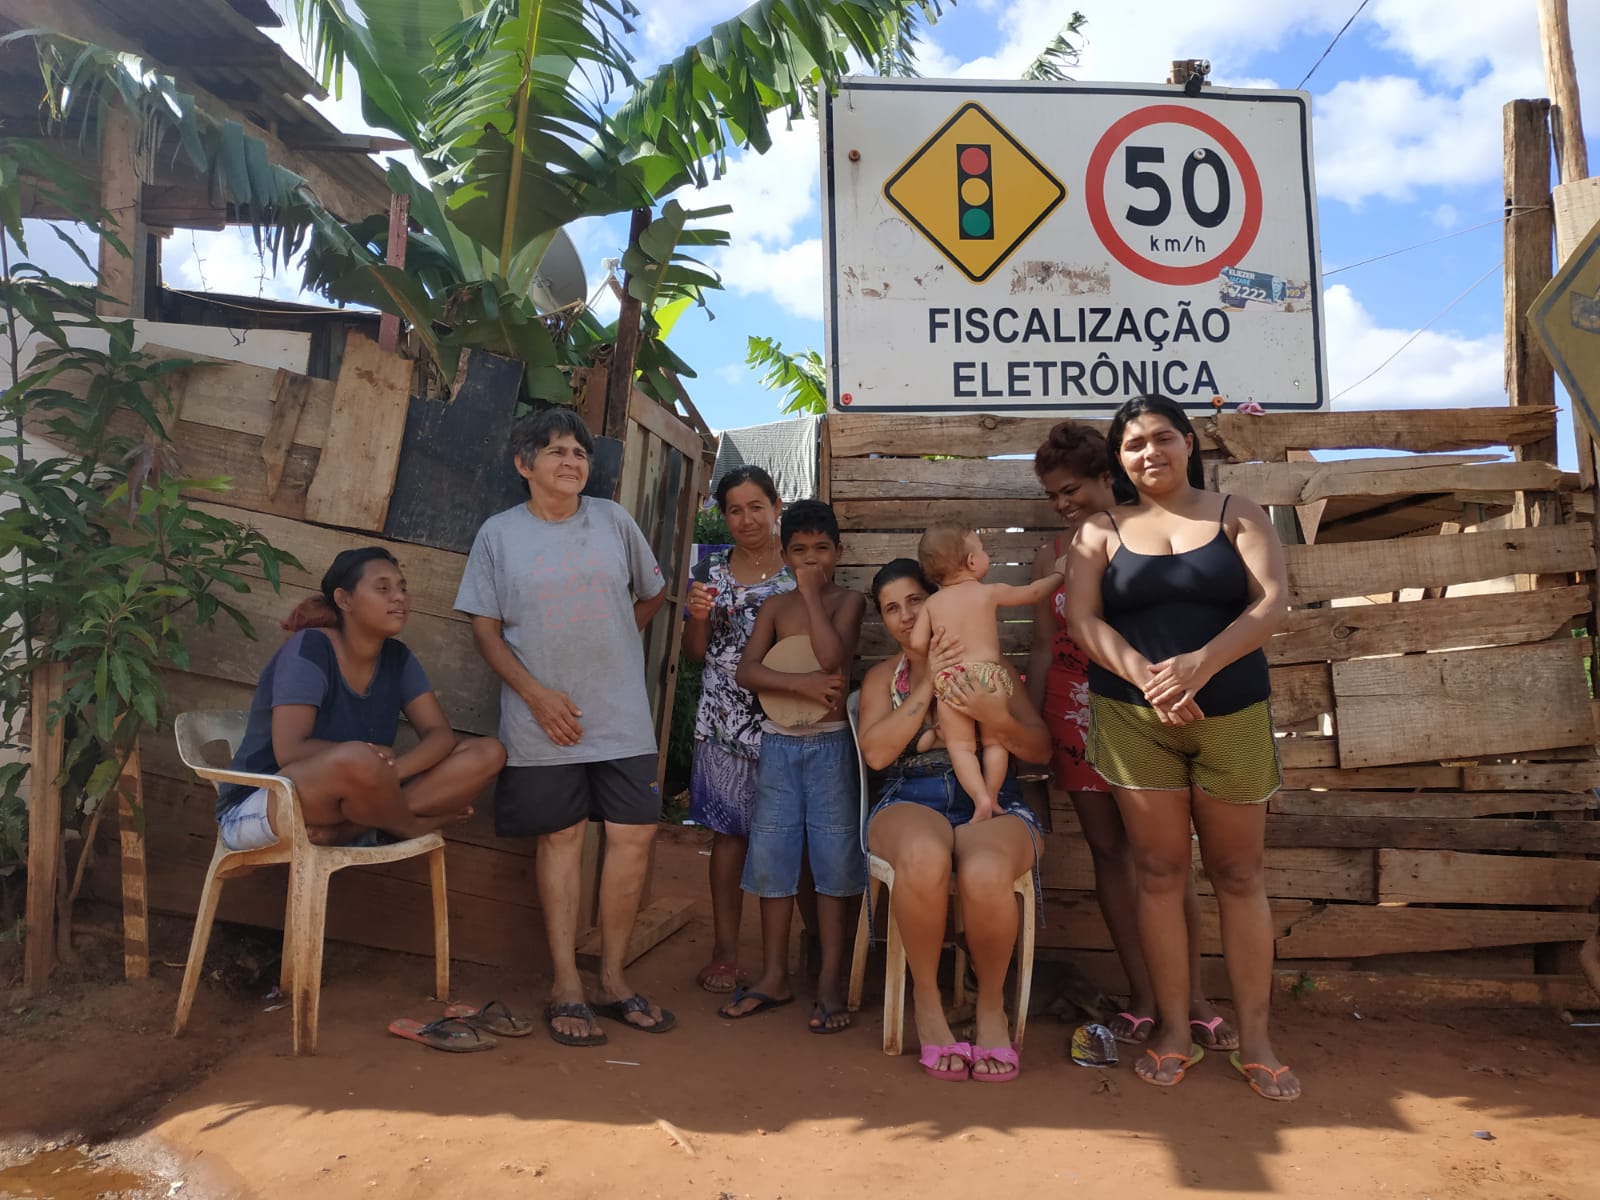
(1167, 604)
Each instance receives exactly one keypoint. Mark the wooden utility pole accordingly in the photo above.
(1577, 197)
(44, 827)
(619, 383)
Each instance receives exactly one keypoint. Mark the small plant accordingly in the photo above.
(105, 561)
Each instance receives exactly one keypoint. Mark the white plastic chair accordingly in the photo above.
(309, 870)
(881, 873)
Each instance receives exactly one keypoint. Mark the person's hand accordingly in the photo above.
(699, 601)
(825, 687)
(386, 753)
(809, 580)
(557, 716)
(1176, 680)
(944, 650)
(967, 696)
(1181, 714)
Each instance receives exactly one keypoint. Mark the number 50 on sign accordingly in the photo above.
(1063, 247)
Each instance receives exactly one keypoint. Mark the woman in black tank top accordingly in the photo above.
(1173, 595)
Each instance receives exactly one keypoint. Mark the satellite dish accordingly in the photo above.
(560, 279)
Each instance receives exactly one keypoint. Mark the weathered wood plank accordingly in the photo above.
(874, 549)
(1407, 833)
(1501, 700)
(1297, 802)
(1339, 570)
(1360, 930)
(922, 478)
(1306, 483)
(1301, 693)
(244, 398)
(1312, 873)
(665, 425)
(1532, 776)
(432, 575)
(1072, 921)
(1301, 752)
(1413, 775)
(44, 824)
(1245, 438)
(991, 513)
(1450, 877)
(356, 474)
(1343, 991)
(288, 403)
(860, 578)
(1362, 630)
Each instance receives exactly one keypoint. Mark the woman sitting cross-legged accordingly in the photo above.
(326, 712)
(922, 826)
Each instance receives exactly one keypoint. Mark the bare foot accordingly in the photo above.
(1210, 1028)
(983, 809)
(578, 1027)
(1268, 1077)
(1166, 1058)
(1130, 1028)
(767, 992)
(993, 1032)
(932, 1028)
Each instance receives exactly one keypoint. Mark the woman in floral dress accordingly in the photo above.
(727, 590)
(1074, 467)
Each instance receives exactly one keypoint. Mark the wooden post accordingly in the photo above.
(44, 827)
(1561, 77)
(619, 383)
(395, 256)
(1528, 232)
(135, 903)
(122, 276)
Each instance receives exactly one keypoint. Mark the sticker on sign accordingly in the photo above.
(995, 246)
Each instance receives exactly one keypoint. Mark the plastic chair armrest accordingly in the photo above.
(280, 786)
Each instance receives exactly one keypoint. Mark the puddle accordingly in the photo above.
(73, 1173)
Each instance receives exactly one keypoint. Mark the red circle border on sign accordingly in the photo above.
(1095, 194)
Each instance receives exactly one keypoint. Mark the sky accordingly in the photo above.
(1407, 143)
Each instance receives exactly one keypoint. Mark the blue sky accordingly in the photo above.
(1407, 135)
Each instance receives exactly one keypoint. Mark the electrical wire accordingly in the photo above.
(1515, 212)
(1436, 316)
(1332, 44)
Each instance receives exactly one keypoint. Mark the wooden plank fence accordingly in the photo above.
(1437, 727)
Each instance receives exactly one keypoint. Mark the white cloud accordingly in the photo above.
(227, 261)
(1440, 369)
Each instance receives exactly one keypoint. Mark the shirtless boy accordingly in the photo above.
(953, 558)
(807, 791)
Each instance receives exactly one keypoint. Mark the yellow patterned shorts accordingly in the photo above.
(1233, 758)
(991, 675)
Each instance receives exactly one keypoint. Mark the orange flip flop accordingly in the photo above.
(1196, 1053)
(450, 1034)
(1245, 1068)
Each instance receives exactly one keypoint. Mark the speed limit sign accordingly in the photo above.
(1066, 246)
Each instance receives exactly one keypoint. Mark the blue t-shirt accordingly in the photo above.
(305, 670)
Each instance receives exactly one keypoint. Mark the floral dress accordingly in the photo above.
(727, 726)
(1066, 707)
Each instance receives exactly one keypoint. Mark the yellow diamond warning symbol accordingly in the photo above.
(974, 191)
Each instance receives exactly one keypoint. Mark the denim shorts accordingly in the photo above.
(245, 825)
(808, 802)
(940, 791)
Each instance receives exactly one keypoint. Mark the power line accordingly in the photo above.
(1515, 212)
(1332, 44)
(1436, 316)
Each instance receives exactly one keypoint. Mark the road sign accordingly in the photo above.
(1566, 320)
(1061, 247)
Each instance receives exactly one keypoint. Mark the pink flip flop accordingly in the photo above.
(1006, 1055)
(1213, 1042)
(1136, 1022)
(930, 1056)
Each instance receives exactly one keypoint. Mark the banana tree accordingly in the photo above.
(529, 114)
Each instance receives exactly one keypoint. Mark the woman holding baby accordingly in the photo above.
(923, 822)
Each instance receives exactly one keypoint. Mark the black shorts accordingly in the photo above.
(529, 801)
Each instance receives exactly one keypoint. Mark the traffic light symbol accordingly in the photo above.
(975, 181)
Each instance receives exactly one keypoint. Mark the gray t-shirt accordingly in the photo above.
(564, 593)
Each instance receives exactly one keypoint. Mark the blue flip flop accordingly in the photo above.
(740, 994)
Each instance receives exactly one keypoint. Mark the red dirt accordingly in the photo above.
(766, 1110)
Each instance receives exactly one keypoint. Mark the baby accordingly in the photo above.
(953, 558)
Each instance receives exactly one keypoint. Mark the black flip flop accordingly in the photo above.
(449, 1034)
(819, 1009)
(740, 994)
(618, 1010)
(493, 1017)
(577, 1010)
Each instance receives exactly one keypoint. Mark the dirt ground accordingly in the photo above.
(717, 1110)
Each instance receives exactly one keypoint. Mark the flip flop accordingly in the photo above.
(1215, 1043)
(819, 1009)
(739, 974)
(1196, 1053)
(1245, 1068)
(618, 1010)
(494, 1017)
(741, 994)
(1135, 1022)
(1006, 1055)
(930, 1055)
(449, 1034)
(577, 1010)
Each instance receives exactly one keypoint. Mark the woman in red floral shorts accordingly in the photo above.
(1073, 466)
